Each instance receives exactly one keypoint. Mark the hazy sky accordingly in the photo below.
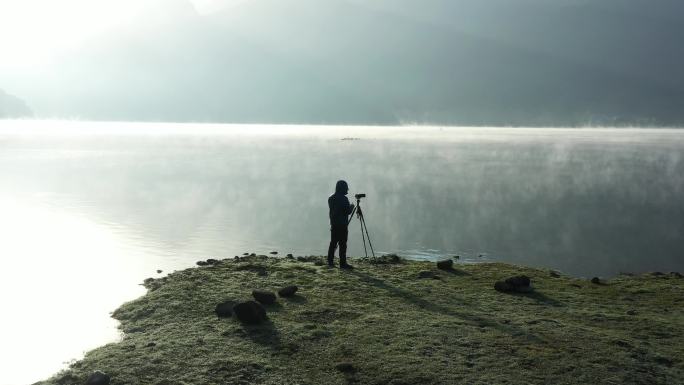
(36, 30)
(499, 62)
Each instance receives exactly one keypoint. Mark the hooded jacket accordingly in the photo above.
(339, 205)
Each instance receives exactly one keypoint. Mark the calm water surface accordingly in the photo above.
(91, 209)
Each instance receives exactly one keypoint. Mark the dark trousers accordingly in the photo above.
(338, 235)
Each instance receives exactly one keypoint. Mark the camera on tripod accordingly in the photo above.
(359, 196)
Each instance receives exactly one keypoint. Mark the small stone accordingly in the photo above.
(245, 254)
(202, 263)
(456, 257)
(631, 312)
(596, 280)
(250, 312)
(224, 309)
(253, 255)
(98, 378)
(345, 367)
(263, 296)
(288, 291)
(663, 361)
(481, 256)
(447, 264)
(159, 271)
(151, 345)
(427, 274)
(554, 274)
(274, 252)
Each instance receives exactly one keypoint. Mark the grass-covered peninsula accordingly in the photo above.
(392, 321)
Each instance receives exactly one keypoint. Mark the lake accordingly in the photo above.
(91, 209)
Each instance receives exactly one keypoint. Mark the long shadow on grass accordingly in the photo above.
(456, 272)
(436, 308)
(264, 334)
(537, 296)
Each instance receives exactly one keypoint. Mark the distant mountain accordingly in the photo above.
(468, 62)
(13, 107)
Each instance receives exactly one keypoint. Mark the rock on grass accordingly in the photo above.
(264, 296)
(98, 378)
(447, 264)
(345, 367)
(225, 309)
(518, 283)
(250, 312)
(288, 291)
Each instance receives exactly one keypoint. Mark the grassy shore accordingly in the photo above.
(381, 324)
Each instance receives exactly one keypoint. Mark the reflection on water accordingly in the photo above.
(63, 274)
(89, 210)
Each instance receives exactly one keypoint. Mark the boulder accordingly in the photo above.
(596, 280)
(289, 256)
(212, 261)
(202, 263)
(224, 309)
(447, 264)
(250, 312)
(288, 291)
(264, 296)
(98, 378)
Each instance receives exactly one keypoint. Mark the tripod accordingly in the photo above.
(364, 228)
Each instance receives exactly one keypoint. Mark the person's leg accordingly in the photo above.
(343, 245)
(333, 246)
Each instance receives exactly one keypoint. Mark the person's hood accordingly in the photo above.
(341, 187)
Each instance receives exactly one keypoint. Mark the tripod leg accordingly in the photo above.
(365, 227)
(363, 237)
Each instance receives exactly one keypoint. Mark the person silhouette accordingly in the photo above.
(339, 211)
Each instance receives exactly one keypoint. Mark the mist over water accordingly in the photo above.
(114, 202)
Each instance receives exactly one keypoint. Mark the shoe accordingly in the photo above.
(346, 266)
